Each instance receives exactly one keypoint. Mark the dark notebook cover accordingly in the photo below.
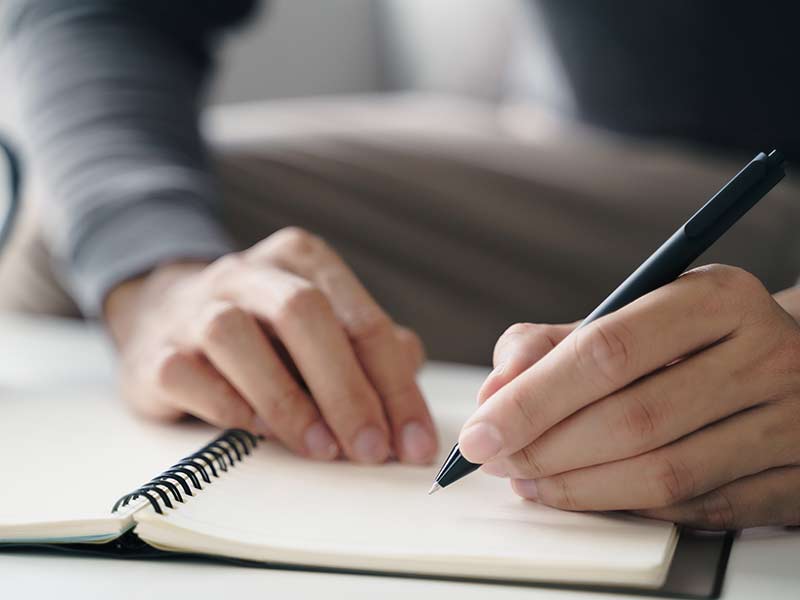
(697, 569)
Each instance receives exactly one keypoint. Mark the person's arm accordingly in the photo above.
(281, 338)
(110, 92)
(683, 405)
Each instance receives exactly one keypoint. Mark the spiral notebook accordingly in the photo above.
(86, 474)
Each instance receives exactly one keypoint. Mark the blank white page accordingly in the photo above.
(276, 507)
(70, 453)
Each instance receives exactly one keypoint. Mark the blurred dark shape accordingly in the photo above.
(9, 190)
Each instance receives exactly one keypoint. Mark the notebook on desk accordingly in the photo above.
(88, 475)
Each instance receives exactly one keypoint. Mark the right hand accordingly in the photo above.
(280, 339)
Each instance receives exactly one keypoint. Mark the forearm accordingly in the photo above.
(110, 109)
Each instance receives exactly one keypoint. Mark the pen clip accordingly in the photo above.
(724, 199)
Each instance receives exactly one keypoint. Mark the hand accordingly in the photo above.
(281, 338)
(683, 406)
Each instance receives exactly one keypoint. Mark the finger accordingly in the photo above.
(497, 468)
(394, 378)
(235, 344)
(372, 335)
(606, 355)
(759, 438)
(650, 413)
(188, 382)
(303, 320)
(765, 499)
(520, 346)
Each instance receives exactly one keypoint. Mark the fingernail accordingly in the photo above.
(370, 445)
(260, 427)
(526, 488)
(480, 443)
(417, 443)
(320, 443)
(495, 468)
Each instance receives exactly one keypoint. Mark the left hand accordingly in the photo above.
(683, 406)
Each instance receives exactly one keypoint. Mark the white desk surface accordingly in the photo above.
(50, 354)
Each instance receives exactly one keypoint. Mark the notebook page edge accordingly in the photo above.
(159, 532)
(86, 530)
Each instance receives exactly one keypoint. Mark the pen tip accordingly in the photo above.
(434, 488)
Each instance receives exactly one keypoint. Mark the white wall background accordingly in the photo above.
(310, 47)
(301, 48)
(456, 46)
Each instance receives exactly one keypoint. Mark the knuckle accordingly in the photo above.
(283, 405)
(304, 299)
(170, 368)
(523, 329)
(403, 393)
(223, 322)
(670, 480)
(639, 421)
(411, 345)
(561, 493)
(525, 343)
(605, 349)
(522, 403)
(409, 339)
(730, 278)
(717, 512)
(295, 241)
(531, 462)
(368, 324)
(515, 331)
(225, 266)
(735, 289)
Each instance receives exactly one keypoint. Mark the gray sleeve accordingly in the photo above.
(109, 101)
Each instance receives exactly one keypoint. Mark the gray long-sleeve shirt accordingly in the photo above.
(110, 94)
(111, 91)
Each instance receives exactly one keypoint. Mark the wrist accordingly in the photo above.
(125, 303)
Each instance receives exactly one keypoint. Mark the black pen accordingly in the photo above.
(667, 263)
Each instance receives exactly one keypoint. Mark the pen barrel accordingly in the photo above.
(664, 266)
(698, 234)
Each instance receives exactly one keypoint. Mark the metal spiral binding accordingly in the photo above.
(217, 456)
